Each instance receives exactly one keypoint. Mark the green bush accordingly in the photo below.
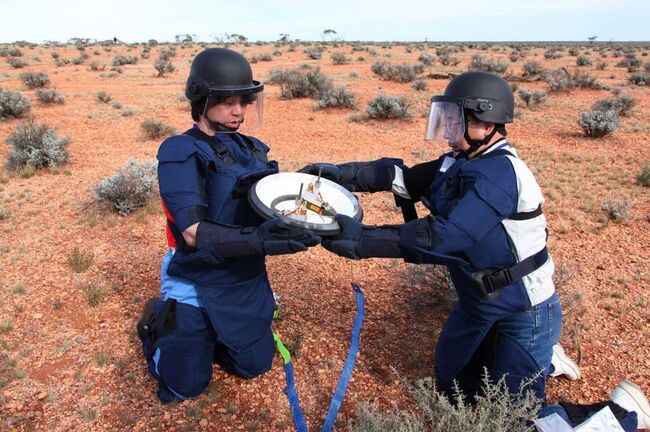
(49, 96)
(13, 104)
(496, 410)
(156, 130)
(597, 124)
(127, 189)
(583, 60)
(335, 98)
(36, 146)
(388, 107)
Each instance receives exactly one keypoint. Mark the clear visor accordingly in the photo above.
(446, 123)
(237, 113)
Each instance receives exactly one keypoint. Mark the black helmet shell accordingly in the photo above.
(489, 97)
(220, 72)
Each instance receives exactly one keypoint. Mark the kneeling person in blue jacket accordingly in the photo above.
(216, 303)
(487, 226)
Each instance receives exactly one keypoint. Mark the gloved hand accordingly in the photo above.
(277, 238)
(273, 237)
(373, 176)
(347, 242)
(327, 170)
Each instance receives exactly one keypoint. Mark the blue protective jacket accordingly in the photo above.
(472, 203)
(199, 178)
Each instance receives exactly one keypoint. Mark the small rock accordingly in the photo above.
(42, 395)
(167, 416)
(38, 315)
(203, 423)
(221, 410)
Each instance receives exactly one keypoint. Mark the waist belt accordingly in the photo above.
(490, 281)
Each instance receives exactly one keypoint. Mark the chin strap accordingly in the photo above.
(475, 144)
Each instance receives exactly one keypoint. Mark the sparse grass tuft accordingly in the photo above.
(617, 210)
(156, 130)
(80, 260)
(103, 97)
(95, 293)
(643, 177)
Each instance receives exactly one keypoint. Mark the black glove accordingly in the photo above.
(277, 238)
(326, 170)
(347, 242)
(357, 241)
(273, 237)
(371, 176)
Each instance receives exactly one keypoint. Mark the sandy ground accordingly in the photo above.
(68, 366)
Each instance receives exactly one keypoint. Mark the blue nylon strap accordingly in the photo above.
(292, 395)
(344, 379)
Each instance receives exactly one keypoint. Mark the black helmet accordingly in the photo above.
(487, 96)
(220, 72)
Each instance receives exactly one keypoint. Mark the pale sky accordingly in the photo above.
(468, 20)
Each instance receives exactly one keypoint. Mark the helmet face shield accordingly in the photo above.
(446, 122)
(234, 113)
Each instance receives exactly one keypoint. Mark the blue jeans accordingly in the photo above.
(536, 330)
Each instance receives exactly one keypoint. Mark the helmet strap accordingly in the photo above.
(218, 127)
(475, 144)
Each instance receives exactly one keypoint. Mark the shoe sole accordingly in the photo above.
(637, 395)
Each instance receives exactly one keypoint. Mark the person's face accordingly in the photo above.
(476, 130)
(229, 113)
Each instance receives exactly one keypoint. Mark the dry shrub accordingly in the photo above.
(36, 146)
(617, 210)
(532, 98)
(49, 96)
(296, 84)
(336, 98)
(621, 104)
(127, 189)
(643, 177)
(388, 107)
(34, 79)
(13, 104)
(156, 130)
(597, 124)
(396, 72)
(480, 63)
(496, 410)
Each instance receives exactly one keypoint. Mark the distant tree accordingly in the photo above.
(329, 34)
(284, 38)
(592, 39)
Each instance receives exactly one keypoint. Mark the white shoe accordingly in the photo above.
(563, 365)
(630, 397)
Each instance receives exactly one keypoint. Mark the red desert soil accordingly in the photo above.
(65, 365)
